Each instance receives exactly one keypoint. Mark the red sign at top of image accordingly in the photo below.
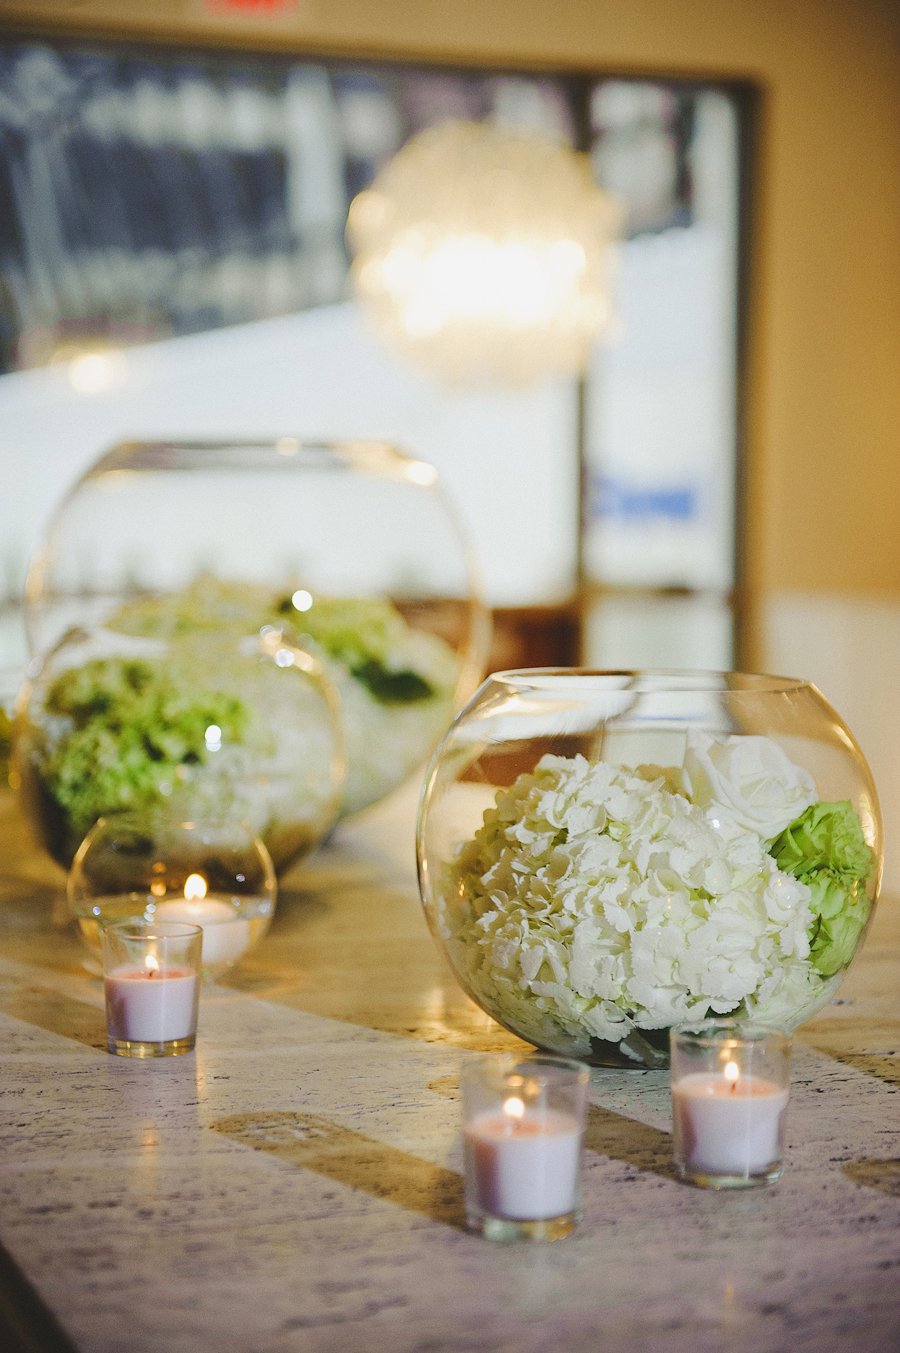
(249, 6)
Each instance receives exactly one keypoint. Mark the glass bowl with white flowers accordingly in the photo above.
(603, 855)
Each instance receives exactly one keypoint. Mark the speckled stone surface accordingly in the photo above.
(295, 1183)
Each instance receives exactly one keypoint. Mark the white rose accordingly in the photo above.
(749, 778)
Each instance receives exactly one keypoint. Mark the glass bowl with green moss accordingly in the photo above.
(206, 724)
(350, 551)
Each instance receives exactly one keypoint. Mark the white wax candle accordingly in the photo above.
(150, 1007)
(524, 1168)
(727, 1127)
(226, 936)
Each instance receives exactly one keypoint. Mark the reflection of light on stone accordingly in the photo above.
(92, 372)
(420, 472)
(483, 253)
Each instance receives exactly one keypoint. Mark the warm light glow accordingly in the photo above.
(420, 472)
(92, 372)
(732, 1072)
(301, 600)
(151, 965)
(482, 253)
(194, 887)
(514, 1107)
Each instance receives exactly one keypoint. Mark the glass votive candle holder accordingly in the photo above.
(730, 1084)
(151, 978)
(213, 872)
(523, 1128)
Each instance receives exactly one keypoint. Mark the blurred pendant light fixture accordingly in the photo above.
(483, 254)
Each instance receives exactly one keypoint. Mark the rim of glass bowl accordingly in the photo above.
(649, 679)
(241, 453)
(713, 1031)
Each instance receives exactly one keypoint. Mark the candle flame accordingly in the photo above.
(732, 1072)
(194, 887)
(514, 1107)
(151, 965)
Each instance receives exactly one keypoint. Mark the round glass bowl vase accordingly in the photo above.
(204, 725)
(604, 855)
(151, 868)
(352, 546)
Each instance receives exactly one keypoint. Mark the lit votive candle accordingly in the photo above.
(730, 1085)
(226, 935)
(151, 977)
(522, 1133)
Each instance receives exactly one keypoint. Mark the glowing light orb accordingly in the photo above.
(483, 254)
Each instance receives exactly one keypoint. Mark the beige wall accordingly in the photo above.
(822, 467)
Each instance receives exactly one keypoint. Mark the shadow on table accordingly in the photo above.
(56, 1013)
(876, 1174)
(871, 1045)
(625, 1139)
(351, 1158)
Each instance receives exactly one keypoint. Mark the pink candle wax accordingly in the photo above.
(151, 1007)
(523, 1168)
(728, 1127)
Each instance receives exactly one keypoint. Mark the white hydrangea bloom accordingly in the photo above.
(593, 902)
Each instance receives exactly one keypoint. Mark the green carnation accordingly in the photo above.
(826, 849)
(825, 836)
(841, 910)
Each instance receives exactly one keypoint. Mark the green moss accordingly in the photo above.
(132, 729)
(392, 688)
(364, 634)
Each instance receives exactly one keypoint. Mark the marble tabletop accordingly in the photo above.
(294, 1185)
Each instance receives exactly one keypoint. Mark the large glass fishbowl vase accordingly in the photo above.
(347, 550)
(605, 855)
